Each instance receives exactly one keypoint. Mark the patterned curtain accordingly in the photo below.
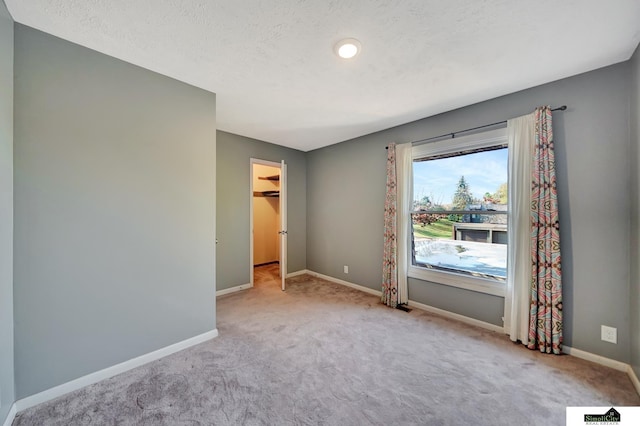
(390, 267)
(545, 320)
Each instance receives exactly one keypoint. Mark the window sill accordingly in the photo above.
(480, 285)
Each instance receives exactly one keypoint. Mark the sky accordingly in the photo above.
(438, 179)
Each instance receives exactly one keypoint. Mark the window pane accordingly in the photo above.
(473, 242)
(468, 248)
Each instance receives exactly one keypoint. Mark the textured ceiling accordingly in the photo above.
(272, 64)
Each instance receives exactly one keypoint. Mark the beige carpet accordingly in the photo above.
(266, 273)
(324, 354)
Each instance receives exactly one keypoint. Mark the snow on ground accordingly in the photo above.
(483, 258)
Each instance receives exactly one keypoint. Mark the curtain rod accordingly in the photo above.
(453, 135)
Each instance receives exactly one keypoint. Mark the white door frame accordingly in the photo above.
(284, 233)
(273, 164)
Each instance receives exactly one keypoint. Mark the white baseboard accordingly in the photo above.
(11, 415)
(607, 362)
(246, 286)
(634, 379)
(457, 317)
(109, 372)
(346, 283)
(233, 289)
(417, 305)
(296, 273)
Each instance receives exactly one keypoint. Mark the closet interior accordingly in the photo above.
(266, 222)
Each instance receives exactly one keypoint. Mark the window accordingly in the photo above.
(459, 212)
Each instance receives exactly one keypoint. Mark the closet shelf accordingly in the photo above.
(266, 193)
(274, 177)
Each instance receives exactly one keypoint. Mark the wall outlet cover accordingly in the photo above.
(346, 269)
(609, 334)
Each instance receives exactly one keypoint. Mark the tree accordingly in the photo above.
(424, 204)
(462, 198)
(500, 196)
(425, 219)
(488, 198)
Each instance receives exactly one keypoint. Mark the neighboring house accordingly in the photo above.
(480, 218)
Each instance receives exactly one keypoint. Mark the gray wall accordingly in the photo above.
(114, 211)
(7, 391)
(232, 254)
(346, 202)
(634, 298)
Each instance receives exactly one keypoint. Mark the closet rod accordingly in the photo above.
(453, 135)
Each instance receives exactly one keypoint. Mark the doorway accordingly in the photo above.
(268, 223)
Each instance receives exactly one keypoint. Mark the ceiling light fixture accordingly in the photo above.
(347, 48)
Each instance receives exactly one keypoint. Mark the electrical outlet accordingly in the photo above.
(346, 269)
(609, 334)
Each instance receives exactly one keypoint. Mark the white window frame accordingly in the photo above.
(450, 146)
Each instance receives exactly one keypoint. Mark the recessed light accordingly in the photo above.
(347, 48)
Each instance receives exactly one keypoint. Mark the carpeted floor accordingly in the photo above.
(266, 273)
(325, 354)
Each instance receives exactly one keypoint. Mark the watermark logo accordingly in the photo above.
(591, 416)
(610, 417)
